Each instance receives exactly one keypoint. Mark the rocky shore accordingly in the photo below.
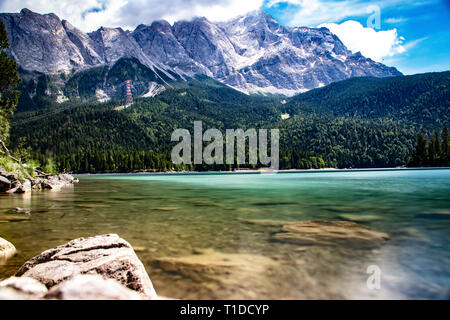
(12, 183)
(102, 267)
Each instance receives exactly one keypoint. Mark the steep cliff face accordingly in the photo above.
(252, 53)
(40, 42)
(291, 60)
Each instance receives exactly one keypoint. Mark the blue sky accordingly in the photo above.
(424, 25)
(413, 36)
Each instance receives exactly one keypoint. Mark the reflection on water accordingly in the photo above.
(211, 236)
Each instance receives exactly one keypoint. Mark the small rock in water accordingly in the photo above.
(24, 210)
(7, 250)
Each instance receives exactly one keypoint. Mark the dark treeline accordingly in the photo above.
(93, 137)
(432, 153)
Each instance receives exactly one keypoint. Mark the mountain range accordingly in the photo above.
(251, 53)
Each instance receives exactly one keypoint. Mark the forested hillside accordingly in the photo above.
(361, 122)
(422, 99)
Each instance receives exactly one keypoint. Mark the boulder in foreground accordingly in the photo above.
(330, 233)
(108, 256)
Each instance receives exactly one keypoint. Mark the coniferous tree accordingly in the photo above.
(436, 148)
(421, 152)
(445, 146)
(9, 79)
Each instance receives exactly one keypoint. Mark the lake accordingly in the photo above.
(212, 236)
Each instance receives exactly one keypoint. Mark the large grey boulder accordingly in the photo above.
(21, 288)
(91, 287)
(107, 255)
(7, 250)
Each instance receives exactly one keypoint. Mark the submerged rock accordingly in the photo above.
(91, 287)
(216, 275)
(107, 255)
(330, 233)
(7, 250)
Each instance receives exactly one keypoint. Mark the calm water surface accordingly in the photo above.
(211, 236)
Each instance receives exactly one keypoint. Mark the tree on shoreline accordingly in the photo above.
(433, 152)
(9, 79)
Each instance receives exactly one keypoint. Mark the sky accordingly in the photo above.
(413, 36)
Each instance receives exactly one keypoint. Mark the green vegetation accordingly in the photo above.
(9, 79)
(422, 99)
(433, 153)
(14, 167)
(362, 122)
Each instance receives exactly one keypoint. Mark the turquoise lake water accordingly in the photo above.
(212, 236)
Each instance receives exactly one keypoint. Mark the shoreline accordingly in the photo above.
(327, 170)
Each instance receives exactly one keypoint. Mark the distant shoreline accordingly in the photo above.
(261, 172)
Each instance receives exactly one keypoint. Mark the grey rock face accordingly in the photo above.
(160, 44)
(252, 53)
(40, 42)
(90, 51)
(114, 43)
(208, 44)
(108, 256)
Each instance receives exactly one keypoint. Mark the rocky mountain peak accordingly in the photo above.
(252, 53)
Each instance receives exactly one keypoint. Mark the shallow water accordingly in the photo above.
(211, 236)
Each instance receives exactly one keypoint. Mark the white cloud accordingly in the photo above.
(372, 44)
(89, 15)
(218, 10)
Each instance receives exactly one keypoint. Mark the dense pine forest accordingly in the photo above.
(432, 153)
(361, 122)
